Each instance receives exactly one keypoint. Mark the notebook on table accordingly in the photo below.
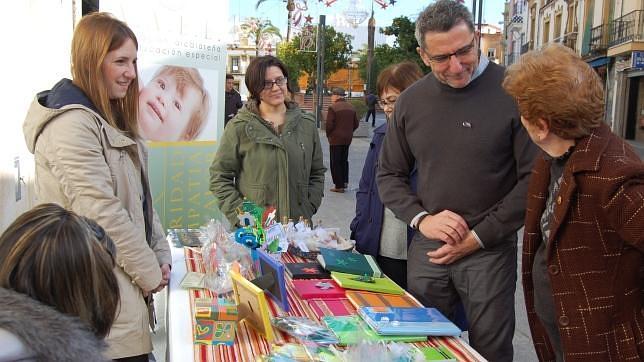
(381, 285)
(317, 288)
(352, 330)
(331, 307)
(306, 271)
(348, 262)
(408, 321)
(361, 298)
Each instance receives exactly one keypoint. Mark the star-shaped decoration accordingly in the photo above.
(324, 285)
(383, 5)
(392, 2)
(309, 18)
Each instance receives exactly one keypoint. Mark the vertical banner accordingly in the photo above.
(181, 63)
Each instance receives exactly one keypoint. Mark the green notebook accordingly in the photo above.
(352, 330)
(381, 285)
(438, 354)
(348, 262)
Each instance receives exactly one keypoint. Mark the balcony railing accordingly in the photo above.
(629, 27)
(598, 42)
(570, 40)
(512, 58)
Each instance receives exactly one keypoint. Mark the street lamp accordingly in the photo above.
(353, 64)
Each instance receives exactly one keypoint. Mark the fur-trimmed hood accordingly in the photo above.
(45, 333)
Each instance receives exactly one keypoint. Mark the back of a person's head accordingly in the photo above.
(62, 260)
(95, 35)
(398, 76)
(190, 77)
(556, 85)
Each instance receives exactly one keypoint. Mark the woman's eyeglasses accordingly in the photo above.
(466, 50)
(281, 81)
(387, 102)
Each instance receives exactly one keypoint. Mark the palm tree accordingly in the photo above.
(260, 31)
(290, 7)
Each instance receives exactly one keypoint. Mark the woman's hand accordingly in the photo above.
(165, 278)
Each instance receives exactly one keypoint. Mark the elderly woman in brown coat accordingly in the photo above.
(583, 247)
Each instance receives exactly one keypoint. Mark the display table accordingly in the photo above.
(248, 344)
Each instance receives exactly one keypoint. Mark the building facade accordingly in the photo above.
(608, 34)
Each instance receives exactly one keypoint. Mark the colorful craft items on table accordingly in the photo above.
(215, 321)
(260, 229)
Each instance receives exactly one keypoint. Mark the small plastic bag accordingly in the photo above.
(305, 330)
(291, 352)
(220, 254)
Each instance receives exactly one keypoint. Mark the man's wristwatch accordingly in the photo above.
(420, 219)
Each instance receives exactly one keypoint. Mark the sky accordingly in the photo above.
(275, 10)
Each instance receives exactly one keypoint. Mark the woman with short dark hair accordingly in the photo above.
(64, 261)
(583, 245)
(270, 151)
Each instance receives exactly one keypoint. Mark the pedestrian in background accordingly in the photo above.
(341, 121)
(462, 132)
(271, 152)
(583, 245)
(371, 100)
(90, 159)
(233, 100)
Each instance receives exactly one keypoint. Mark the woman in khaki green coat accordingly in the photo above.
(270, 151)
(89, 159)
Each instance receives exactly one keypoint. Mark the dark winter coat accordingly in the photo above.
(367, 224)
(341, 121)
(595, 251)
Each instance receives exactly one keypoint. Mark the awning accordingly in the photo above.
(599, 62)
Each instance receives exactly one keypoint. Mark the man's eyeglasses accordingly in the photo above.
(281, 81)
(387, 102)
(466, 50)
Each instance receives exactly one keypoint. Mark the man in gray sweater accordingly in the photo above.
(464, 134)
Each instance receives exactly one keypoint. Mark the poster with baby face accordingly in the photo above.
(181, 66)
(176, 103)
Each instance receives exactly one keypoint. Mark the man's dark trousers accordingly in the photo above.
(339, 157)
(371, 112)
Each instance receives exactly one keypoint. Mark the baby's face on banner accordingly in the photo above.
(164, 111)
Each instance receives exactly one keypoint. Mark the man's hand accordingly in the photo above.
(447, 226)
(448, 254)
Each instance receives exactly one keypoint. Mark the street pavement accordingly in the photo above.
(337, 210)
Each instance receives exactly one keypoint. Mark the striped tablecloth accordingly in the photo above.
(249, 344)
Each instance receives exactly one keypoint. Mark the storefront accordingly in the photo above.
(635, 99)
(625, 96)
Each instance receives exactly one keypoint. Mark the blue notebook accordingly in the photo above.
(408, 321)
